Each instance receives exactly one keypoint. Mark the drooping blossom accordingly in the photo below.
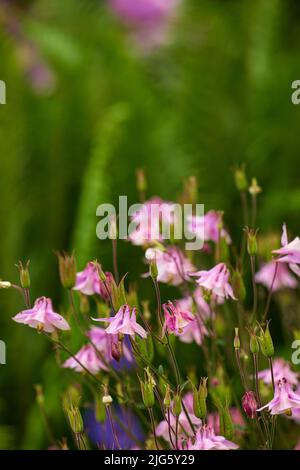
(207, 227)
(195, 330)
(249, 404)
(290, 252)
(105, 342)
(281, 368)
(172, 266)
(184, 428)
(148, 221)
(124, 322)
(216, 281)
(147, 19)
(206, 439)
(87, 358)
(42, 317)
(284, 401)
(282, 279)
(176, 319)
(88, 281)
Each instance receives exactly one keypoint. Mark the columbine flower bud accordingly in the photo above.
(107, 398)
(141, 182)
(199, 399)
(254, 344)
(236, 342)
(116, 350)
(5, 284)
(71, 402)
(24, 274)
(250, 404)
(251, 241)
(151, 256)
(67, 270)
(241, 179)
(266, 342)
(254, 188)
(177, 407)
(147, 389)
(167, 399)
(238, 285)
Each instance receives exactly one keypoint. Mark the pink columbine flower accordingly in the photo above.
(148, 19)
(281, 368)
(105, 342)
(206, 439)
(87, 358)
(216, 281)
(284, 401)
(162, 429)
(147, 221)
(207, 227)
(88, 281)
(290, 252)
(283, 278)
(176, 319)
(124, 322)
(195, 330)
(42, 317)
(172, 266)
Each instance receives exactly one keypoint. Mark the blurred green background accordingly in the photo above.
(85, 108)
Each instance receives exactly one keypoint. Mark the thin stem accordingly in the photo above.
(266, 427)
(153, 427)
(270, 295)
(176, 431)
(272, 373)
(169, 427)
(241, 370)
(115, 259)
(254, 286)
(111, 421)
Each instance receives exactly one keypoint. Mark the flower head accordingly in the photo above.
(42, 317)
(275, 276)
(124, 322)
(176, 319)
(284, 399)
(88, 281)
(208, 227)
(172, 266)
(86, 358)
(216, 281)
(206, 439)
(290, 252)
(106, 343)
(281, 368)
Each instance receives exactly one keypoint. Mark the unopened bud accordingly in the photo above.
(254, 344)
(24, 274)
(177, 407)
(67, 270)
(238, 285)
(116, 350)
(251, 241)
(5, 284)
(199, 399)
(254, 188)
(106, 399)
(249, 404)
(266, 342)
(147, 389)
(167, 399)
(236, 341)
(241, 179)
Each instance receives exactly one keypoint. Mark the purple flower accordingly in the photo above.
(42, 317)
(143, 11)
(87, 356)
(176, 319)
(281, 368)
(282, 279)
(216, 281)
(172, 266)
(206, 439)
(207, 227)
(88, 281)
(290, 252)
(124, 322)
(284, 399)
